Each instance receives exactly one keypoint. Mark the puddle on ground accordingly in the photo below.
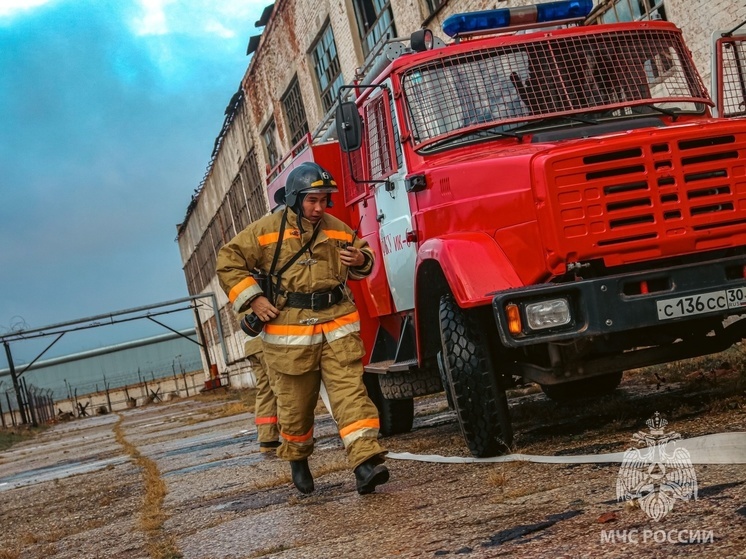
(190, 448)
(60, 470)
(230, 462)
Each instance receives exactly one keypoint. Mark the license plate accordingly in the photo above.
(703, 303)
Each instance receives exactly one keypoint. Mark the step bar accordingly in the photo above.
(390, 366)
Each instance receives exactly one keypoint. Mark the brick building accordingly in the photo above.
(302, 52)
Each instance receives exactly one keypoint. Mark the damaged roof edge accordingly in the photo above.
(254, 41)
(230, 113)
(262, 21)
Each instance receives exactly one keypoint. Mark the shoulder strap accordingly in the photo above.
(273, 288)
(276, 286)
(283, 221)
(301, 251)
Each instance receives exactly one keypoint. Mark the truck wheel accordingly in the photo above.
(395, 416)
(405, 386)
(585, 388)
(480, 403)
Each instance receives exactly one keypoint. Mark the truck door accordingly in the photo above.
(392, 201)
(729, 72)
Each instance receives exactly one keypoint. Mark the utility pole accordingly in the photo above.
(16, 386)
(202, 338)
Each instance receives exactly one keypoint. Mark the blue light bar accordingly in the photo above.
(486, 20)
(568, 9)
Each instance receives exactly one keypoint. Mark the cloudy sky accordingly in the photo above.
(109, 110)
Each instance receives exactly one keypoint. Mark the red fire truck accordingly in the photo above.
(550, 202)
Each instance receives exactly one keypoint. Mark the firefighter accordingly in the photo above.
(265, 408)
(311, 327)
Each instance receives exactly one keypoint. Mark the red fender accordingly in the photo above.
(474, 266)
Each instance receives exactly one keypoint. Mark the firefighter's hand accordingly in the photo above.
(262, 308)
(352, 257)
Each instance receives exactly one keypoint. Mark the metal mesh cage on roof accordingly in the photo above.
(548, 77)
(733, 95)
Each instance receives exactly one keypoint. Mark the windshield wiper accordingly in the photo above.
(581, 118)
(555, 120)
(485, 132)
(503, 133)
(668, 112)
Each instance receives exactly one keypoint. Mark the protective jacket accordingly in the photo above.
(319, 270)
(252, 346)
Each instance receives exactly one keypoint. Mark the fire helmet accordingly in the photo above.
(306, 178)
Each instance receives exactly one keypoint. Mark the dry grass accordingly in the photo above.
(719, 381)
(497, 479)
(226, 410)
(425, 444)
(526, 490)
(219, 395)
(732, 359)
(514, 480)
(236, 402)
(330, 465)
(280, 479)
(336, 464)
(160, 544)
(524, 390)
(239, 401)
(264, 552)
(434, 410)
(13, 435)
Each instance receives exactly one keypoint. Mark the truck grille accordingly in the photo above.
(662, 194)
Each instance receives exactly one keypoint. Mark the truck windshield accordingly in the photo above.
(606, 73)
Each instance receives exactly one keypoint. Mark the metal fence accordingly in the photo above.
(38, 405)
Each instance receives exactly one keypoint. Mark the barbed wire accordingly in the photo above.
(16, 324)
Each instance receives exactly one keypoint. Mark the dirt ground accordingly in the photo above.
(183, 479)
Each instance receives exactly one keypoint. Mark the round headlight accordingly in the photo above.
(420, 40)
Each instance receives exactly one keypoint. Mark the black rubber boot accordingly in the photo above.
(302, 477)
(370, 473)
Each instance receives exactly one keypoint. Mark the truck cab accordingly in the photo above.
(551, 202)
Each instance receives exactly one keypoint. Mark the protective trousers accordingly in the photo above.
(352, 409)
(265, 411)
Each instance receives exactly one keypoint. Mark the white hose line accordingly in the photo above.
(325, 398)
(720, 448)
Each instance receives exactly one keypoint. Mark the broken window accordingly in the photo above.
(295, 113)
(610, 11)
(270, 144)
(326, 65)
(253, 187)
(375, 22)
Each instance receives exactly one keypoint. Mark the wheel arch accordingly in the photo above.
(431, 285)
(469, 265)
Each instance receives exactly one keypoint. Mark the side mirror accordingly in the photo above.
(349, 126)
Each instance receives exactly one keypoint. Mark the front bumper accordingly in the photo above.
(625, 302)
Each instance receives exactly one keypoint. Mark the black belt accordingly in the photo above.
(317, 301)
